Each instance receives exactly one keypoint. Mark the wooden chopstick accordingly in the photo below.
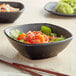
(22, 67)
(43, 70)
(19, 67)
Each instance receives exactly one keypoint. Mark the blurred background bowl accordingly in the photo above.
(10, 17)
(50, 7)
(39, 51)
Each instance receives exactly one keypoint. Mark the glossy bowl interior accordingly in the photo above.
(9, 17)
(39, 51)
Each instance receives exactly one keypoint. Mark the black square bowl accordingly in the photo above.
(10, 17)
(39, 51)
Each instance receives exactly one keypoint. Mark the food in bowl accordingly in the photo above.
(10, 17)
(8, 8)
(66, 6)
(45, 35)
(39, 51)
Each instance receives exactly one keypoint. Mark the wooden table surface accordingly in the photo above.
(34, 12)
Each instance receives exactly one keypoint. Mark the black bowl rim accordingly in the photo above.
(70, 38)
(14, 2)
(57, 13)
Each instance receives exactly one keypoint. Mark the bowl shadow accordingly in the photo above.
(50, 15)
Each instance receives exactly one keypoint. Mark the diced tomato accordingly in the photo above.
(37, 41)
(28, 38)
(27, 42)
(55, 38)
(50, 37)
(21, 36)
(40, 37)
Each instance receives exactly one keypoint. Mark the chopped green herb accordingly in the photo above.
(59, 39)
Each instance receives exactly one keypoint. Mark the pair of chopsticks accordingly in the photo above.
(24, 68)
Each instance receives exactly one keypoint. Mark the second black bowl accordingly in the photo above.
(39, 51)
(9, 17)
